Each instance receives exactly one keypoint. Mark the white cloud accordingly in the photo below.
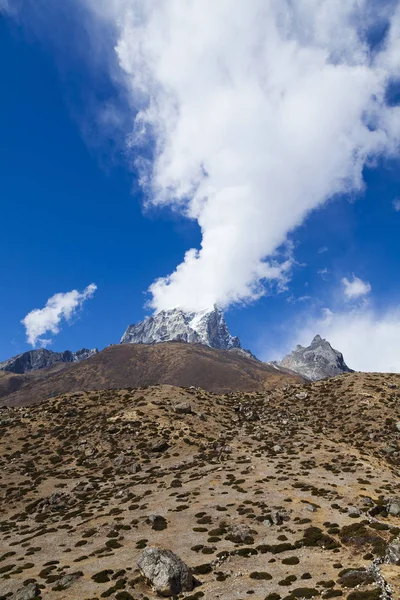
(396, 204)
(259, 112)
(355, 288)
(368, 340)
(59, 307)
(322, 249)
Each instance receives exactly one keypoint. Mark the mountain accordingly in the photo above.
(133, 365)
(318, 361)
(42, 358)
(206, 327)
(289, 494)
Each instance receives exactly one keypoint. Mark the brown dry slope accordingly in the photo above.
(132, 365)
(285, 494)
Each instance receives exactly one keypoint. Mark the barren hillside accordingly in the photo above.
(285, 494)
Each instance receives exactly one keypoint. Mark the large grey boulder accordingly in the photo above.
(165, 571)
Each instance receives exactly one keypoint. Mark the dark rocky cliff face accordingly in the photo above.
(318, 361)
(42, 358)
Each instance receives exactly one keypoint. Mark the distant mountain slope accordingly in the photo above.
(318, 361)
(132, 365)
(42, 358)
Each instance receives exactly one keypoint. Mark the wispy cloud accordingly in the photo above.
(322, 249)
(324, 273)
(61, 306)
(355, 288)
(396, 204)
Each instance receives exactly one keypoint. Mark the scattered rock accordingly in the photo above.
(165, 571)
(56, 501)
(240, 534)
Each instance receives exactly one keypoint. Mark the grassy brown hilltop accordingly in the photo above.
(132, 365)
(280, 494)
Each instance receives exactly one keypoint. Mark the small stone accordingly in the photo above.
(301, 396)
(277, 448)
(398, 425)
(165, 571)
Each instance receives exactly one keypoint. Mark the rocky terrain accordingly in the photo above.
(286, 493)
(175, 363)
(317, 361)
(42, 358)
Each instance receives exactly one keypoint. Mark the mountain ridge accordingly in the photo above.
(41, 358)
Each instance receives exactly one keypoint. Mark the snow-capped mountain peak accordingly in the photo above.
(207, 327)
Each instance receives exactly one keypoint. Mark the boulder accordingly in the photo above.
(165, 571)
(160, 445)
(393, 552)
(28, 592)
(183, 408)
(393, 507)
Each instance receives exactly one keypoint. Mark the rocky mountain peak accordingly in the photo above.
(316, 361)
(42, 358)
(206, 327)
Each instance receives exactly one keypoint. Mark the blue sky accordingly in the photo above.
(72, 213)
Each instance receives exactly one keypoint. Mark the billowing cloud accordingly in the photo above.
(62, 306)
(257, 113)
(369, 340)
(356, 288)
